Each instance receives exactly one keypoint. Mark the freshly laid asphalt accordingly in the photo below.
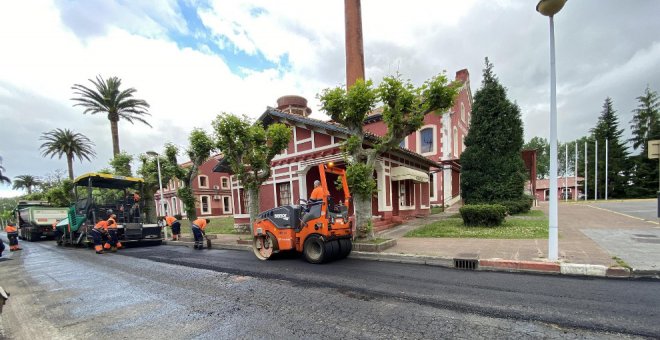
(180, 293)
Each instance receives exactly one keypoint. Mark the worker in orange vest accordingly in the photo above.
(198, 227)
(12, 235)
(112, 233)
(317, 193)
(98, 233)
(176, 227)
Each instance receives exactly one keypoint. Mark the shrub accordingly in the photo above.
(519, 206)
(483, 215)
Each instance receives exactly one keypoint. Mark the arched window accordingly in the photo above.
(455, 142)
(463, 112)
(426, 139)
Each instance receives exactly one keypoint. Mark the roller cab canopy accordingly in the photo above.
(107, 181)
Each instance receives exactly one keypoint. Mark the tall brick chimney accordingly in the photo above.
(354, 48)
(292, 104)
(463, 75)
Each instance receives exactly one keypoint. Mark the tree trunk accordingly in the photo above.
(363, 213)
(69, 163)
(114, 129)
(254, 205)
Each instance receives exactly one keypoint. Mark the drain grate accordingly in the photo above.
(469, 264)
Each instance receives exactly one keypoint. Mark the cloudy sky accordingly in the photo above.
(192, 59)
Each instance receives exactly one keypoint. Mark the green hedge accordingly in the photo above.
(520, 206)
(483, 215)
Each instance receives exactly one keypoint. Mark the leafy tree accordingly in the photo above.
(106, 97)
(199, 151)
(60, 195)
(542, 148)
(121, 164)
(645, 127)
(26, 182)
(3, 178)
(492, 168)
(65, 142)
(404, 108)
(249, 148)
(607, 128)
(149, 172)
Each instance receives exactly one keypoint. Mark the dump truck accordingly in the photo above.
(321, 230)
(98, 196)
(36, 218)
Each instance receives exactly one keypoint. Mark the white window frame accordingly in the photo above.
(463, 112)
(434, 131)
(222, 182)
(226, 209)
(201, 205)
(199, 181)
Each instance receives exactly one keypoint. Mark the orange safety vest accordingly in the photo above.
(102, 226)
(136, 197)
(170, 219)
(317, 193)
(201, 223)
(10, 229)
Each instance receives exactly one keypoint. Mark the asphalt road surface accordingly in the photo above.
(179, 293)
(644, 209)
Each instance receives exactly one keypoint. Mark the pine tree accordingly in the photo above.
(607, 129)
(492, 168)
(645, 126)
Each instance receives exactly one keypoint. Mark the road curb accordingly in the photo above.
(520, 266)
(215, 245)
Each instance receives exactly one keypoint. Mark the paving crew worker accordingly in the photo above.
(98, 232)
(135, 211)
(112, 233)
(57, 233)
(176, 227)
(12, 235)
(198, 227)
(317, 193)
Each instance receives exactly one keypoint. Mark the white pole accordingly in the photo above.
(553, 227)
(566, 173)
(575, 194)
(586, 196)
(606, 159)
(596, 172)
(162, 202)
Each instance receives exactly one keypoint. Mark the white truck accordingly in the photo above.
(36, 219)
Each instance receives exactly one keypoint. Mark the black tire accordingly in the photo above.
(314, 249)
(332, 250)
(345, 247)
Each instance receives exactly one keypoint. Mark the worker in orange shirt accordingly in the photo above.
(317, 193)
(98, 233)
(176, 227)
(112, 233)
(12, 235)
(198, 227)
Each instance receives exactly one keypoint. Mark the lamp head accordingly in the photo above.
(550, 7)
(152, 153)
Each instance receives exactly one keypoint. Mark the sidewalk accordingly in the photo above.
(583, 230)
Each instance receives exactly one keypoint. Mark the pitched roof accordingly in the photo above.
(570, 182)
(270, 115)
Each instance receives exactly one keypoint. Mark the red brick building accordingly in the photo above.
(441, 139)
(565, 188)
(212, 192)
(315, 142)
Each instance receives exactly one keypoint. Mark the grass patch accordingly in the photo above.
(372, 241)
(224, 225)
(621, 262)
(437, 210)
(510, 229)
(531, 213)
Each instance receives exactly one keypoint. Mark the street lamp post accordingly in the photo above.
(549, 8)
(160, 184)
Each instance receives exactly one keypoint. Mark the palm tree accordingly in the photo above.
(60, 142)
(25, 182)
(3, 178)
(107, 98)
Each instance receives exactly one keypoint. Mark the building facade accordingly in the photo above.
(568, 188)
(441, 139)
(212, 191)
(402, 176)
